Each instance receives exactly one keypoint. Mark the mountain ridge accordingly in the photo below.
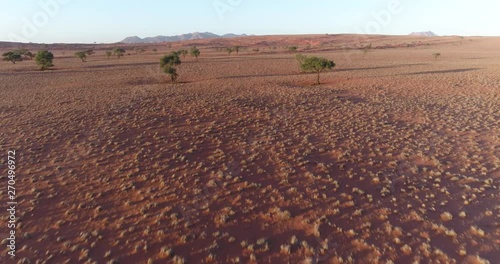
(188, 36)
(424, 34)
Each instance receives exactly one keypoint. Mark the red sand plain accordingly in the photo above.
(394, 158)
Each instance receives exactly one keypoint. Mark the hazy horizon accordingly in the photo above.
(72, 21)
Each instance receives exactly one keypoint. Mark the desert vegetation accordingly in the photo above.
(195, 52)
(17, 55)
(183, 52)
(44, 59)
(82, 55)
(119, 52)
(236, 49)
(314, 64)
(12, 56)
(167, 64)
(27, 55)
(367, 49)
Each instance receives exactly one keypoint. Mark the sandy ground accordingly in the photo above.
(394, 157)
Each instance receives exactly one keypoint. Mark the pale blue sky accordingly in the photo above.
(88, 21)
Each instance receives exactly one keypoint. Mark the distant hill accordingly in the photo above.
(190, 36)
(424, 34)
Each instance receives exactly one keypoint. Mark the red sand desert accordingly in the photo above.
(394, 158)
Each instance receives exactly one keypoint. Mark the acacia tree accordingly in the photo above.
(155, 50)
(29, 55)
(167, 64)
(81, 55)
(367, 49)
(12, 56)
(44, 59)
(183, 52)
(109, 53)
(229, 51)
(195, 52)
(26, 53)
(293, 48)
(119, 52)
(315, 64)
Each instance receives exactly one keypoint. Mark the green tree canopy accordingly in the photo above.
(171, 59)
(315, 64)
(12, 56)
(24, 52)
(195, 52)
(44, 59)
(81, 55)
(29, 55)
(167, 64)
(119, 52)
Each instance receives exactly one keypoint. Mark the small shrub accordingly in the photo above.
(44, 59)
(367, 49)
(140, 50)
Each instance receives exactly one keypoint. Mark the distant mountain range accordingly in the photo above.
(190, 36)
(209, 35)
(424, 34)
